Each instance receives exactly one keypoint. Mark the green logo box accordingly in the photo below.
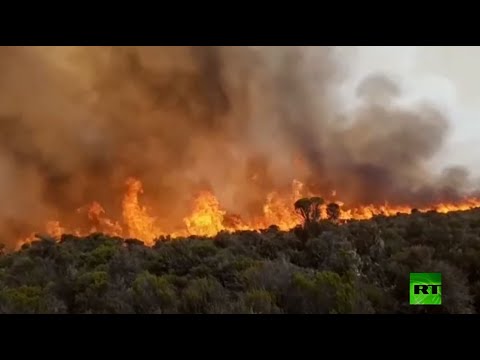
(425, 289)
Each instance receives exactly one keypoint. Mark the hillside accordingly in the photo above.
(358, 267)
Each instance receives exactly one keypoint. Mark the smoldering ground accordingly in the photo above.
(75, 122)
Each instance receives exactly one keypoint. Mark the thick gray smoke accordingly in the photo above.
(241, 121)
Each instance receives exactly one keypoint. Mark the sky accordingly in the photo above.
(447, 76)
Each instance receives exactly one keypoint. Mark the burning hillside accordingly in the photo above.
(207, 218)
(220, 138)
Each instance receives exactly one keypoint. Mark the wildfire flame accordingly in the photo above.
(139, 223)
(208, 218)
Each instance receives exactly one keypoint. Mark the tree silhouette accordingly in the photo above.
(333, 211)
(316, 202)
(309, 209)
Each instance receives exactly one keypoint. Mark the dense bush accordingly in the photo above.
(324, 267)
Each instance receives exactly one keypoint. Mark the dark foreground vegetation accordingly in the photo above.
(359, 267)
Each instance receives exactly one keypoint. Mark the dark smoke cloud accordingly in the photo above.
(76, 122)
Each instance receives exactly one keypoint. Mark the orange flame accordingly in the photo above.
(97, 215)
(138, 222)
(208, 218)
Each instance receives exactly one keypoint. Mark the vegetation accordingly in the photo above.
(309, 208)
(322, 267)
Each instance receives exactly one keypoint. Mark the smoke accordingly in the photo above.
(75, 122)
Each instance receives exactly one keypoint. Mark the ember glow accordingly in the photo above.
(207, 217)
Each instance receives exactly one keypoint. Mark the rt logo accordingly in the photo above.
(425, 289)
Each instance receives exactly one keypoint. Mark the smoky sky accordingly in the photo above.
(76, 122)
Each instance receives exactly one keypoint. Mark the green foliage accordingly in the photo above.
(320, 267)
(204, 296)
(24, 299)
(324, 292)
(331, 251)
(101, 255)
(90, 289)
(261, 302)
(29, 300)
(154, 294)
(96, 280)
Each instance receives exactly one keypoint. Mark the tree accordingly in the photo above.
(333, 211)
(316, 203)
(302, 206)
(309, 209)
